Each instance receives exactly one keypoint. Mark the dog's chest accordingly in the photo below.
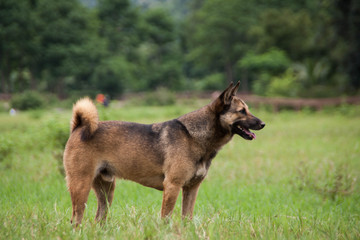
(201, 170)
(199, 175)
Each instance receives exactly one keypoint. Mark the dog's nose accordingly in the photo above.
(262, 125)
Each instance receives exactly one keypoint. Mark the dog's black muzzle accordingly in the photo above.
(242, 127)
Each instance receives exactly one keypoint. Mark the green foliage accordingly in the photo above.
(346, 110)
(260, 85)
(319, 91)
(211, 82)
(4, 106)
(158, 26)
(159, 55)
(57, 136)
(119, 21)
(160, 97)
(6, 146)
(286, 85)
(117, 71)
(28, 100)
(334, 182)
(217, 42)
(177, 8)
(16, 25)
(65, 52)
(58, 133)
(114, 46)
(287, 30)
(273, 61)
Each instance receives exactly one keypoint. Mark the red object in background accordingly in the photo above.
(100, 98)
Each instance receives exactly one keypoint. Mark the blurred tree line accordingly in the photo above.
(276, 48)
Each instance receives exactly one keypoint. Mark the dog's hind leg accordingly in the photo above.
(104, 191)
(188, 201)
(79, 192)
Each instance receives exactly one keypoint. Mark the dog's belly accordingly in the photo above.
(153, 182)
(138, 169)
(147, 177)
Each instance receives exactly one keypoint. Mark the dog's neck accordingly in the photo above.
(205, 128)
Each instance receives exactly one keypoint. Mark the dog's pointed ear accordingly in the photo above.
(225, 98)
(226, 95)
(235, 89)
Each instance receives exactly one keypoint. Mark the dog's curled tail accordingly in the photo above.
(85, 115)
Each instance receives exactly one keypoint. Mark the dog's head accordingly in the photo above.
(234, 114)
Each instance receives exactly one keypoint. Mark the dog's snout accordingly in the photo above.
(262, 125)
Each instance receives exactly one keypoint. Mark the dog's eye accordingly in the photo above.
(242, 111)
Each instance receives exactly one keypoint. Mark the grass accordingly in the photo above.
(297, 180)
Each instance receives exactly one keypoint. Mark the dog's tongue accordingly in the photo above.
(251, 134)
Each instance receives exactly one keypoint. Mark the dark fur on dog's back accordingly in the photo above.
(168, 156)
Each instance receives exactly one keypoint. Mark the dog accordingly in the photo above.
(169, 156)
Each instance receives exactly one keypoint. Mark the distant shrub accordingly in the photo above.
(36, 114)
(331, 182)
(109, 76)
(51, 99)
(260, 85)
(343, 109)
(73, 97)
(211, 82)
(28, 100)
(58, 134)
(284, 86)
(274, 61)
(4, 106)
(161, 97)
(319, 91)
(6, 147)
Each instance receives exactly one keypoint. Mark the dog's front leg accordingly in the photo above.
(188, 201)
(171, 192)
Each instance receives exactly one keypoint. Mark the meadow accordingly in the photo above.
(298, 180)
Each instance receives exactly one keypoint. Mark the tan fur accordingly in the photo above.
(169, 156)
(85, 115)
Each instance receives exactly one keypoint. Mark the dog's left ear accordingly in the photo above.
(235, 89)
(225, 98)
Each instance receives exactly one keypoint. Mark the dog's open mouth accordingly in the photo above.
(244, 132)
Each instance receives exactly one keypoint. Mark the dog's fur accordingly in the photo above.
(167, 156)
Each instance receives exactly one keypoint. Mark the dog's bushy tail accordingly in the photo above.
(85, 115)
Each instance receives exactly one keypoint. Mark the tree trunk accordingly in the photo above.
(4, 79)
(354, 21)
(244, 81)
(2, 82)
(60, 88)
(33, 82)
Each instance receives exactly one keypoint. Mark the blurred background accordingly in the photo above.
(71, 48)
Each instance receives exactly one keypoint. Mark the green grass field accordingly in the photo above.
(297, 180)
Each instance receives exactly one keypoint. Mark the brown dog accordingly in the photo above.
(167, 156)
